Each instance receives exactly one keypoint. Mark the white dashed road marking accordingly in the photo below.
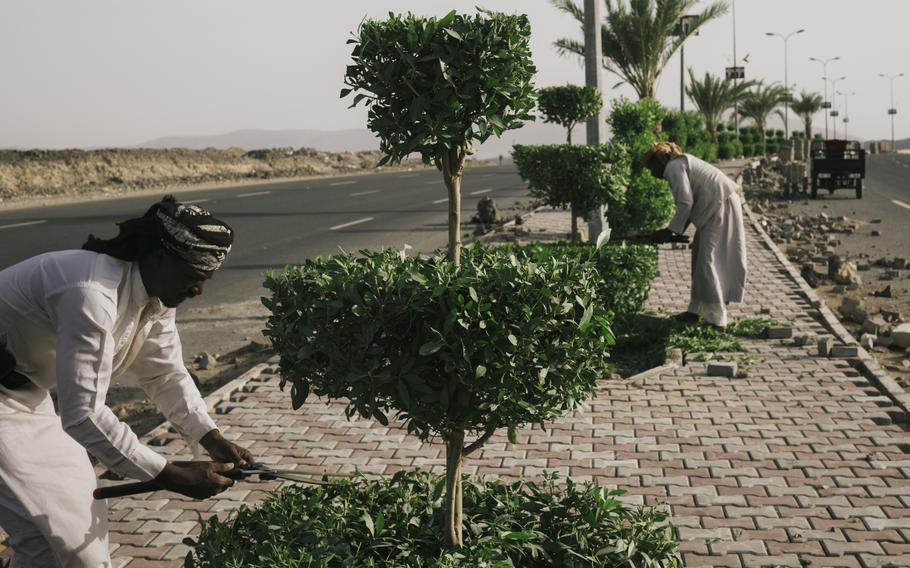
(191, 201)
(351, 224)
(894, 201)
(253, 194)
(481, 191)
(441, 200)
(364, 193)
(410, 176)
(435, 182)
(343, 183)
(25, 224)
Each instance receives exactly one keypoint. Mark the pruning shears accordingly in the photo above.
(264, 472)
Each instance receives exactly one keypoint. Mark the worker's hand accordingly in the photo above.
(225, 451)
(199, 479)
(667, 236)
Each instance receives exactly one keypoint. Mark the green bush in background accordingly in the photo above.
(568, 105)
(648, 203)
(578, 177)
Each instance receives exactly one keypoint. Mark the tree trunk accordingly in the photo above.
(569, 135)
(452, 170)
(575, 237)
(454, 461)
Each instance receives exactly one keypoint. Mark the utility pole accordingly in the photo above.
(825, 105)
(594, 78)
(786, 39)
(735, 63)
(682, 29)
(834, 113)
(892, 111)
(846, 111)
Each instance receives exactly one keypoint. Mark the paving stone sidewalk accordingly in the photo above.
(803, 463)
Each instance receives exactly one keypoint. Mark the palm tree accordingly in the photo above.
(805, 106)
(713, 96)
(640, 38)
(763, 101)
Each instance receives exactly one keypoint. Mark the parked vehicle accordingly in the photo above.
(837, 164)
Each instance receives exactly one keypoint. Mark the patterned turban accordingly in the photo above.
(192, 233)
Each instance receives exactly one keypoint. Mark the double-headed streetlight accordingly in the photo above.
(892, 111)
(846, 110)
(826, 105)
(786, 39)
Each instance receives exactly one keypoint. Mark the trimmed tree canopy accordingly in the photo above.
(568, 105)
(436, 85)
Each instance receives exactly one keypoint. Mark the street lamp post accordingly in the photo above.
(826, 104)
(846, 110)
(892, 111)
(786, 39)
(834, 113)
(685, 22)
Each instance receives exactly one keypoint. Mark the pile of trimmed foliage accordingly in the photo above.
(394, 523)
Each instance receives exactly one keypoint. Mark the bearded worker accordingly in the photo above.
(707, 198)
(74, 320)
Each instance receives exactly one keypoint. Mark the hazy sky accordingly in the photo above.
(120, 72)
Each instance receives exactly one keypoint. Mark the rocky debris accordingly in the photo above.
(809, 275)
(825, 345)
(844, 272)
(853, 309)
(674, 356)
(901, 336)
(519, 220)
(803, 340)
(886, 292)
(867, 340)
(487, 212)
(722, 369)
(205, 361)
(891, 316)
(876, 325)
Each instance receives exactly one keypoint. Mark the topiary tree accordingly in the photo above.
(436, 86)
(578, 177)
(568, 105)
(510, 337)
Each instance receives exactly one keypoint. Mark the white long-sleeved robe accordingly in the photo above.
(707, 198)
(76, 320)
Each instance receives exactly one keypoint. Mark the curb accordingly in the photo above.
(864, 363)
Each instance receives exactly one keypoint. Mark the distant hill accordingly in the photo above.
(354, 140)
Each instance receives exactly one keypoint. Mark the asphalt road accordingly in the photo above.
(886, 197)
(276, 224)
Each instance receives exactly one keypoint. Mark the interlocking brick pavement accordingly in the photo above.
(802, 463)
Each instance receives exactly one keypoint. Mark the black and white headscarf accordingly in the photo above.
(189, 231)
(193, 234)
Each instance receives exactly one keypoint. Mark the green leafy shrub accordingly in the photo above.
(453, 352)
(436, 86)
(568, 105)
(626, 270)
(579, 177)
(687, 130)
(648, 202)
(390, 523)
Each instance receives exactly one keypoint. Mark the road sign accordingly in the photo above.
(892, 111)
(846, 119)
(835, 113)
(736, 72)
(826, 104)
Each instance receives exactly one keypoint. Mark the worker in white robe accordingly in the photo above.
(708, 199)
(73, 321)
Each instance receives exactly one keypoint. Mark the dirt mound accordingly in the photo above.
(36, 173)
